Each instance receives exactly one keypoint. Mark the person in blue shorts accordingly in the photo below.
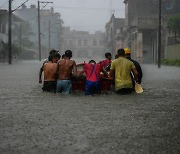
(66, 68)
(92, 72)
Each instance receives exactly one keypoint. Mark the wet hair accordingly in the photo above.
(52, 52)
(107, 54)
(68, 53)
(121, 52)
(63, 56)
(92, 61)
(50, 57)
(57, 55)
(116, 56)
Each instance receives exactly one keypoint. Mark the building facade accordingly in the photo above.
(141, 18)
(4, 24)
(4, 33)
(83, 44)
(50, 25)
(115, 34)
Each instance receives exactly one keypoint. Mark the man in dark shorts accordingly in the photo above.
(120, 71)
(51, 53)
(92, 71)
(65, 69)
(50, 74)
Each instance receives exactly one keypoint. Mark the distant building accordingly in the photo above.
(4, 24)
(82, 43)
(50, 25)
(141, 18)
(115, 34)
(4, 31)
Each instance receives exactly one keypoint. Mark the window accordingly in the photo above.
(79, 42)
(94, 42)
(101, 42)
(65, 43)
(70, 43)
(85, 42)
(3, 28)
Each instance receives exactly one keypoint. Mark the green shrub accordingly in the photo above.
(175, 62)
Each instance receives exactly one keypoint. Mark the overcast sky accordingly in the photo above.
(88, 15)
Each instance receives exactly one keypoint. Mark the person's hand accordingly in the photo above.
(40, 81)
(139, 81)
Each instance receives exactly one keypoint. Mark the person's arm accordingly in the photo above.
(111, 74)
(40, 73)
(74, 69)
(135, 73)
(104, 72)
(81, 73)
(139, 73)
(57, 70)
(112, 71)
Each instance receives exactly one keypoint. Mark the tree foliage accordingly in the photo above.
(4, 51)
(25, 29)
(174, 24)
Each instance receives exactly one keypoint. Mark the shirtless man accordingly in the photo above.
(65, 67)
(51, 53)
(50, 74)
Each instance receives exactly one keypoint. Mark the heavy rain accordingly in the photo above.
(89, 76)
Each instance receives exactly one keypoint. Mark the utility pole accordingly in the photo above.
(20, 37)
(9, 29)
(159, 36)
(9, 34)
(49, 36)
(39, 26)
(112, 35)
(39, 31)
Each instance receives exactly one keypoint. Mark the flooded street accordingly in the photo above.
(33, 121)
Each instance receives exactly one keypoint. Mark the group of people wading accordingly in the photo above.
(59, 71)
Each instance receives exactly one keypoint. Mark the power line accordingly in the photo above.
(85, 9)
(20, 5)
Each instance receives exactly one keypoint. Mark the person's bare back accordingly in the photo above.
(65, 68)
(49, 71)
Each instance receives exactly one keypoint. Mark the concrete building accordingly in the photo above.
(4, 31)
(82, 43)
(50, 25)
(115, 34)
(141, 18)
(4, 24)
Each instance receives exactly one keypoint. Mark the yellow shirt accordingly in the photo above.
(122, 68)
